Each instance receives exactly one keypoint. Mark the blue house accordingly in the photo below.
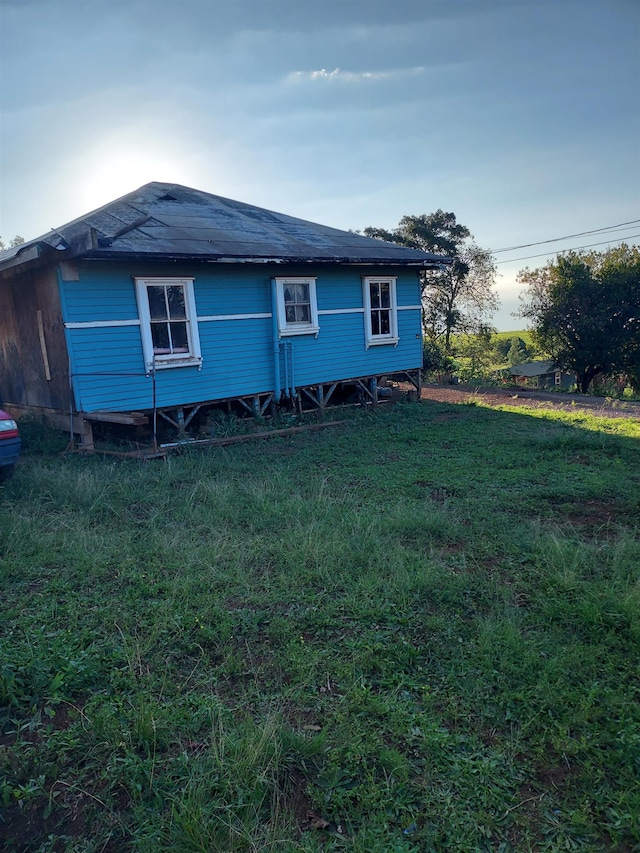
(169, 301)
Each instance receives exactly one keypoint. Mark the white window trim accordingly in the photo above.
(161, 362)
(379, 340)
(286, 329)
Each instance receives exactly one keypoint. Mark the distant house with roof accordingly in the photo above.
(542, 374)
(169, 301)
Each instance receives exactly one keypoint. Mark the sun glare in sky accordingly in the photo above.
(126, 170)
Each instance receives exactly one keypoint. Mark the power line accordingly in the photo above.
(562, 251)
(568, 237)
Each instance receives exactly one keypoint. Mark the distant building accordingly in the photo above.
(542, 374)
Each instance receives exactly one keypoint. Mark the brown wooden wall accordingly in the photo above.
(23, 373)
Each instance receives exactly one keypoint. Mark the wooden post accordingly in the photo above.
(180, 419)
(86, 439)
(43, 345)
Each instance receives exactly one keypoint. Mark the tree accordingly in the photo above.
(478, 349)
(455, 299)
(585, 311)
(513, 350)
(17, 241)
(434, 359)
(517, 353)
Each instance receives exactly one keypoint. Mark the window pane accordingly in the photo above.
(175, 298)
(302, 292)
(179, 340)
(385, 325)
(303, 314)
(375, 323)
(296, 293)
(298, 309)
(157, 304)
(385, 295)
(375, 295)
(160, 338)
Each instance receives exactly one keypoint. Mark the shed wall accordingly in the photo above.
(23, 369)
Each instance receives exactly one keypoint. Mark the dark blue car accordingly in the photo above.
(9, 444)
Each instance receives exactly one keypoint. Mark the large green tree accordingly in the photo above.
(584, 310)
(457, 298)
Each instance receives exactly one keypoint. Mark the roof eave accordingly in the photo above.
(421, 263)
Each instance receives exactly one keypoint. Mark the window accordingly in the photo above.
(168, 322)
(380, 311)
(297, 306)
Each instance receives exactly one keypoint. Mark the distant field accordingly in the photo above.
(416, 632)
(524, 334)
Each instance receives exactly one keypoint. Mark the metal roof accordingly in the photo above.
(533, 368)
(171, 221)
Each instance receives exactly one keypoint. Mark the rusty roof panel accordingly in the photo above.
(168, 220)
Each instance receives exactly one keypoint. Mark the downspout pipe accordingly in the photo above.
(277, 389)
(285, 353)
(294, 393)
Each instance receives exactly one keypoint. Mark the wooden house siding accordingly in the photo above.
(104, 335)
(33, 356)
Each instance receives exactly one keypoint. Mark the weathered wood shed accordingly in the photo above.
(169, 300)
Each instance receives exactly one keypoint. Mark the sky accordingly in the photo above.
(522, 117)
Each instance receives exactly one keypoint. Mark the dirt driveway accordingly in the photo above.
(532, 399)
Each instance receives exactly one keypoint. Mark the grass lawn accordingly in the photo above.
(525, 334)
(417, 631)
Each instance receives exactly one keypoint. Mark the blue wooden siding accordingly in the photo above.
(237, 354)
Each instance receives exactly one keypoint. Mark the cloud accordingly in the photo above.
(355, 76)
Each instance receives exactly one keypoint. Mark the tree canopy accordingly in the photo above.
(584, 308)
(17, 241)
(455, 299)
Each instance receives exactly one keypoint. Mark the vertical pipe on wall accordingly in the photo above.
(285, 353)
(277, 391)
(155, 408)
(294, 393)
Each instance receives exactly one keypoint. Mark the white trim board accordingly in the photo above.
(101, 324)
(342, 311)
(215, 318)
(212, 318)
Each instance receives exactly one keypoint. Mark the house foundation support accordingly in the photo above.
(363, 390)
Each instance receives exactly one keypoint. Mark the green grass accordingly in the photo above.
(419, 631)
(525, 334)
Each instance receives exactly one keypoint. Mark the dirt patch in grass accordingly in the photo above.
(297, 800)
(530, 399)
(556, 777)
(594, 514)
(438, 494)
(535, 796)
(24, 824)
